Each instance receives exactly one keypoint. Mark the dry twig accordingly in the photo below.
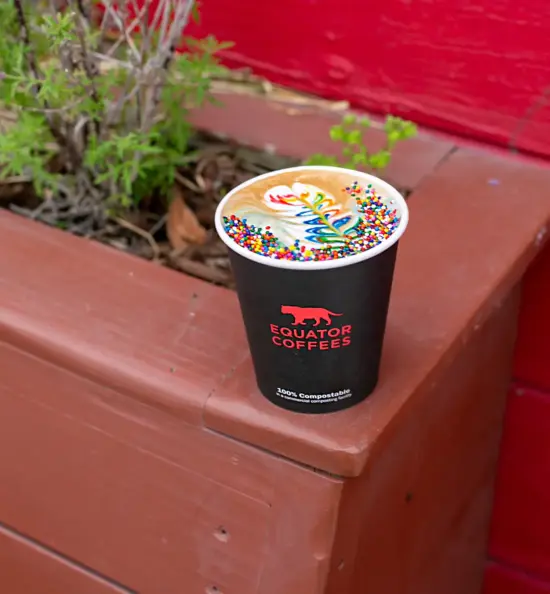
(142, 233)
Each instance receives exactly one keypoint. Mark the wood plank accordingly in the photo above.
(152, 502)
(28, 568)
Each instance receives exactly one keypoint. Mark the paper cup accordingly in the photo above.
(316, 329)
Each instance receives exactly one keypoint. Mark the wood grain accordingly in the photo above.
(479, 70)
(28, 568)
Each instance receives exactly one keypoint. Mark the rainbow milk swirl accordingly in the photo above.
(307, 221)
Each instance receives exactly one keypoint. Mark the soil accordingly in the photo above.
(179, 233)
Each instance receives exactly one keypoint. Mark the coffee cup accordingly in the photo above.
(313, 252)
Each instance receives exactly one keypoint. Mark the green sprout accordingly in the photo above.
(355, 154)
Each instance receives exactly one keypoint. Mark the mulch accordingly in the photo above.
(158, 232)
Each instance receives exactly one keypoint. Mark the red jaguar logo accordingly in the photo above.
(301, 314)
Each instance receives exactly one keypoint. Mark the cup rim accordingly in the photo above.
(387, 189)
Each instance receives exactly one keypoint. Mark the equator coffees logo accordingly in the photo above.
(319, 332)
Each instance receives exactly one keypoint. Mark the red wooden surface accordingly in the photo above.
(520, 534)
(28, 568)
(502, 580)
(423, 504)
(126, 485)
(141, 497)
(532, 363)
(478, 69)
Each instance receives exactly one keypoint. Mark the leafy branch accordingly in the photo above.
(101, 92)
(355, 153)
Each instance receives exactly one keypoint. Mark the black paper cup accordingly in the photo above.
(316, 329)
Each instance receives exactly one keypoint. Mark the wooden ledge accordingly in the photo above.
(146, 331)
(302, 129)
(175, 343)
(476, 223)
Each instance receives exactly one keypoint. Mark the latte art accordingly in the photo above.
(311, 216)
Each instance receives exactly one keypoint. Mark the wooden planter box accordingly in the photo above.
(136, 454)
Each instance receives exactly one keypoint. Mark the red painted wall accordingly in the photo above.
(477, 68)
(520, 534)
(502, 580)
(532, 364)
(521, 515)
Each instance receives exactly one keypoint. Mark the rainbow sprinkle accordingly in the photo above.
(379, 223)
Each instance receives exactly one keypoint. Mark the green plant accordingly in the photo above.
(101, 98)
(355, 153)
